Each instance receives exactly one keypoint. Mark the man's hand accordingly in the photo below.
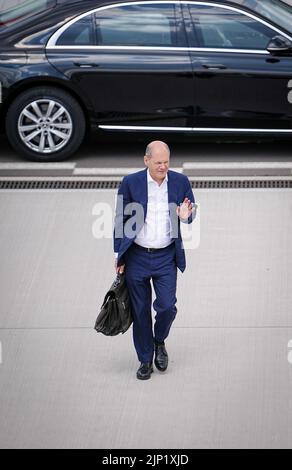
(119, 269)
(184, 211)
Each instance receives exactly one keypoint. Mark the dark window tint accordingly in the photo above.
(137, 25)
(222, 28)
(80, 33)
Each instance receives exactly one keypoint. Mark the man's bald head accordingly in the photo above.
(157, 146)
(157, 160)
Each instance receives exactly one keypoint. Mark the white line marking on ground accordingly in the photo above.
(235, 165)
(37, 166)
(111, 171)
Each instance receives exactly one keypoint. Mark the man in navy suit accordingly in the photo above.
(148, 245)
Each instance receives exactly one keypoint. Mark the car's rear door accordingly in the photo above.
(132, 61)
(239, 85)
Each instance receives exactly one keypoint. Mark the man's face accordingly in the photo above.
(158, 164)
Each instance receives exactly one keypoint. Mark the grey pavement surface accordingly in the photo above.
(101, 156)
(229, 380)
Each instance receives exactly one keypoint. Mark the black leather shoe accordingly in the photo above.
(161, 357)
(145, 370)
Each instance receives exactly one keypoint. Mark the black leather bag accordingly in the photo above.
(116, 314)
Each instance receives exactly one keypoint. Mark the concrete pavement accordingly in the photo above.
(229, 380)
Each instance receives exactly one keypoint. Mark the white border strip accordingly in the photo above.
(51, 44)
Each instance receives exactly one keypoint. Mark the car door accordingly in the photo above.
(132, 61)
(239, 85)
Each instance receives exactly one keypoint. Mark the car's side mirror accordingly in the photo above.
(279, 45)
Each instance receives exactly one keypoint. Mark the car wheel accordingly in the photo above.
(45, 124)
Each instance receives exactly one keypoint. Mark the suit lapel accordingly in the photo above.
(171, 188)
(172, 203)
(143, 191)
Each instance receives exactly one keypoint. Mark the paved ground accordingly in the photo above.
(229, 380)
(120, 154)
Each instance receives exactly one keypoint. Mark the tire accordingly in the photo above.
(53, 116)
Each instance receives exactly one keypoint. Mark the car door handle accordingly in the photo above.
(214, 66)
(85, 65)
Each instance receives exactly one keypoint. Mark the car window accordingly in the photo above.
(218, 27)
(280, 12)
(80, 33)
(22, 10)
(137, 25)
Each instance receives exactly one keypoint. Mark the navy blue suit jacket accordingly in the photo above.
(134, 189)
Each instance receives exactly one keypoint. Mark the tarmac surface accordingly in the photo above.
(229, 380)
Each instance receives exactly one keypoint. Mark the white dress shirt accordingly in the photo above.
(156, 231)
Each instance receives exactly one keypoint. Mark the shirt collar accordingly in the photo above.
(151, 180)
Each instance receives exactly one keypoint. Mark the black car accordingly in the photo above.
(194, 67)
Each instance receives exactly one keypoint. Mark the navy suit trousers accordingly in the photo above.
(142, 267)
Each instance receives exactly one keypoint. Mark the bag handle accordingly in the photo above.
(118, 279)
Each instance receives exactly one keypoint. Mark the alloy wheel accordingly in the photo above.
(45, 126)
